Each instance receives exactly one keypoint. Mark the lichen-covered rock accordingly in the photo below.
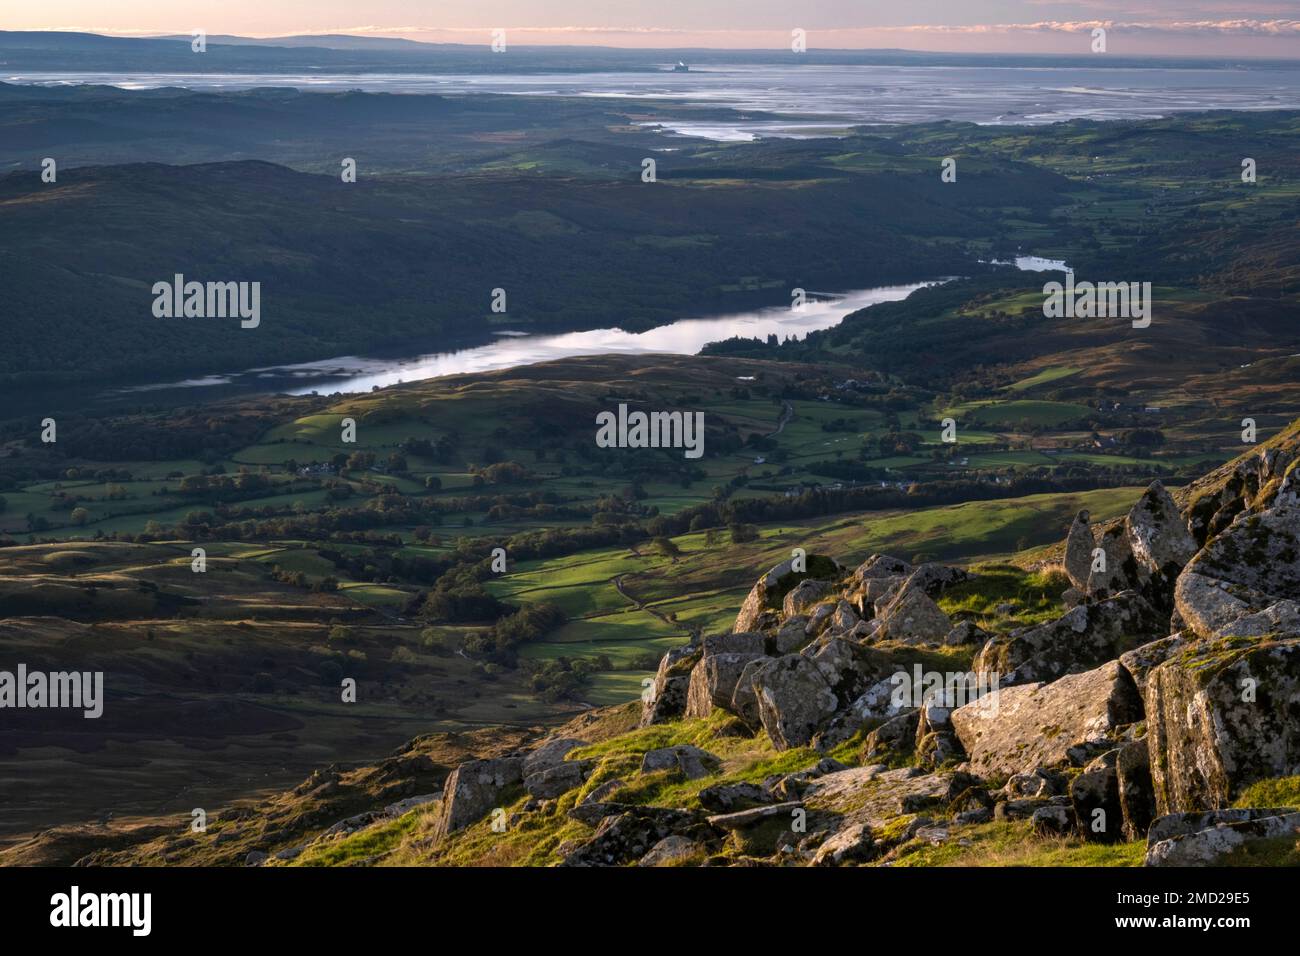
(881, 566)
(850, 844)
(1221, 716)
(668, 693)
(729, 797)
(1036, 783)
(1017, 729)
(876, 704)
(1052, 820)
(1094, 796)
(1137, 795)
(794, 700)
(849, 668)
(714, 678)
(692, 762)
(744, 699)
(1117, 570)
(895, 736)
(876, 796)
(1174, 825)
(914, 618)
(933, 579)
(629, 835)
(551, 782)
(804, 595)
(1141, 661)
(1210, 846)
(550, 754)
(472, 790)
(1158, 535)
(1078, 551)
(673, 850)
(965, 632)
(1082, 638)
(845, 617)
(760, 610)
(1247, 569)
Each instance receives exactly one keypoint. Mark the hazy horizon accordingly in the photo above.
(1266, 28)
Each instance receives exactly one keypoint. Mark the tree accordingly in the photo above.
(79, 517)
(668, 547)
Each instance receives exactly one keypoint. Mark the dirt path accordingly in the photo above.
(617, 581)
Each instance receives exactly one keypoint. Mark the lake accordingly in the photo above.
(810, 100)
(508, 349)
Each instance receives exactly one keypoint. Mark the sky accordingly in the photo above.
(1134, 27)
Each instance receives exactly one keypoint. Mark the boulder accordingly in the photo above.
(1082, 638)
(1137, 795)
(895, 736)
(553, 781)
(673, 850)
(692, 762)
(759, 610)
(1036, 783)
(804, 595)
(1078, 551)
(850, 844)
(1158, 535)
(1118, 571)
(1094, 797)
(550, 754)
(472, 790)
(744, 699)
(1019, 729)
(672, 682)
(794, 700)
(1247, 569)
(875, 796)
(729, 797)
(631, 834)
(874, 705)
(713, 679)
(914, 618)
(1213, 846)
(965, 632)
(1184, 824)
(881, 566)
(1141, 661)
(849, 668)
(1053, 820)
(1222, 716)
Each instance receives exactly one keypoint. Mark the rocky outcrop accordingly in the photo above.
(794, 700)
(714, 678)
(668, 694)
(1247, 579)
(1220, 716)
(631, 834)
(1068, 721)
(1157, 534)
(1214, 844)
(691, 762)
(914, 618)
(473, 789)
(760, 611)
(1078, 551)
(1082, 638)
